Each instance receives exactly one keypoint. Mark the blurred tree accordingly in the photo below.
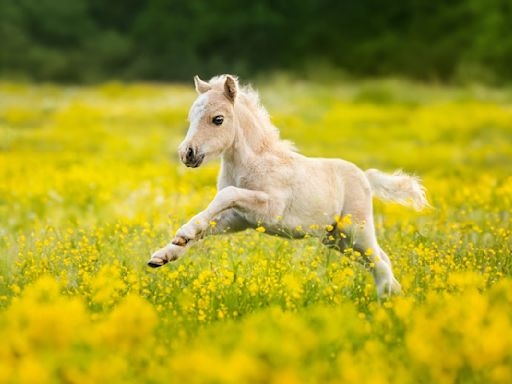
(91, 40)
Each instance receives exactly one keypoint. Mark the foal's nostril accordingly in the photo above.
(190, 154)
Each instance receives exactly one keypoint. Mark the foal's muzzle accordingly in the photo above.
(192, 158)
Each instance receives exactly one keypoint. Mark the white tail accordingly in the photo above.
(399, 187)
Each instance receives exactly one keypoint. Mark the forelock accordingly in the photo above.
(198, 107)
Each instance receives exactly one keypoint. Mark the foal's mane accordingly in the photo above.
(250, 98)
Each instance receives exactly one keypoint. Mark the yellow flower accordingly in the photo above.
(260, 229)
(344, 221)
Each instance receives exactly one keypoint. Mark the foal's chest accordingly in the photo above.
(241, 178)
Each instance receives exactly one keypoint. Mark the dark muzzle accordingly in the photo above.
(193, 158)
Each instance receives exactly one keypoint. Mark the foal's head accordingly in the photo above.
(211, 118)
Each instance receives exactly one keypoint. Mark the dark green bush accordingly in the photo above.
(94, 40)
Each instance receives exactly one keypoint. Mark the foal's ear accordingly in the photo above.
(201, 86)
(230, 88)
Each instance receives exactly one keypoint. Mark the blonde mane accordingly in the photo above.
(250, 99)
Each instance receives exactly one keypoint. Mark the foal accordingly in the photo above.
(263, 181)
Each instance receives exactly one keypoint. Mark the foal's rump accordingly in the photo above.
(324, 188)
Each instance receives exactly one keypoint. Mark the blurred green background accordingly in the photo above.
(94, 40)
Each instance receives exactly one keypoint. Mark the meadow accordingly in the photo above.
(90, 185)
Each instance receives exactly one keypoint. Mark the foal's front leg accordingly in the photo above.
(221, 208)
(227, 222)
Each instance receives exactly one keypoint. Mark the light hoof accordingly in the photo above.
(389, 288)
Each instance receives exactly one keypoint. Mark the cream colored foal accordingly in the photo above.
(264, 181)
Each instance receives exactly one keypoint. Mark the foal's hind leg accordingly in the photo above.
(365, 240)
(359, 204)
(362, 238)
(384, 256)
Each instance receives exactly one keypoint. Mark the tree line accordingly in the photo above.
(95, 40)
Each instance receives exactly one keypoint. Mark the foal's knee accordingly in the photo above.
(238, 198)
(227, 196)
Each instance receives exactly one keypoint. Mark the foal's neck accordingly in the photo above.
(252, 137)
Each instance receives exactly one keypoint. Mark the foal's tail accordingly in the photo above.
(399, 187)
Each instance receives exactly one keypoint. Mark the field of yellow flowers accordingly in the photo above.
(90, 185)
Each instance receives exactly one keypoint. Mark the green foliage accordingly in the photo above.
(91, 40)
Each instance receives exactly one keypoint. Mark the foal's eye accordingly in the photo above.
(218, 120)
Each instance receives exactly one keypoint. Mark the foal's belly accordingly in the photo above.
(295, 227)
(298, 219)
(310, 218)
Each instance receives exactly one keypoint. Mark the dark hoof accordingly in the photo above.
(154, 265)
